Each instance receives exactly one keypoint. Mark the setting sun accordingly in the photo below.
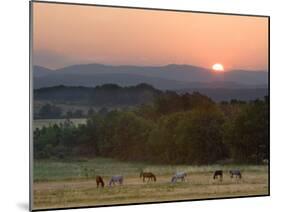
(218, 67)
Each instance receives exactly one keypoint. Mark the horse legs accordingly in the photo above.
(143, 179)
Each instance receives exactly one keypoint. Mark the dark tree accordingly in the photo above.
(50, 111)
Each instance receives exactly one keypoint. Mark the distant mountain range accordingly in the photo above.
(169, 77)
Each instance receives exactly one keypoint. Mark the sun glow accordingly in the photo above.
(218, 67)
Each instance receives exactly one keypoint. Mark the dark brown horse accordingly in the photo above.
(99, 181)
(148, 175)
(218, 173)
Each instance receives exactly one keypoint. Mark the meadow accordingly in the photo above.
(174, 129)
(72, 183)
(39, 123)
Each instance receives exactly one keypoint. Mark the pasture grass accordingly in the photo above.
(50, 170)
(64, 184)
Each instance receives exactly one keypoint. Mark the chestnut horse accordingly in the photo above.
(148, 175)
(99, 181)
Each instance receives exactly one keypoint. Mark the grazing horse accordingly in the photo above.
(235, 173)
(179, 175)
(218, 173)
(148, 175)
(99, 181)
(116, 179)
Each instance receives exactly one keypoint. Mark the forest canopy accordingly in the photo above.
(172, 129)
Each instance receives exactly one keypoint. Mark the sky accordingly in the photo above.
(64, 35)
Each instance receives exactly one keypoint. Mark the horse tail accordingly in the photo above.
(98, 180)
(141, 174)
(214, 177)
(121, 181)
(102, 182)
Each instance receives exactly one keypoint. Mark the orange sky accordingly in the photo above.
(67, 34)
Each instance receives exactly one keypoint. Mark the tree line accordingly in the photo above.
(172, 129)
(107, 95)
(52, 111)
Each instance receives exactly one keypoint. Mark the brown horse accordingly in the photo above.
(218, 173)
(148, 175)
(99, 181)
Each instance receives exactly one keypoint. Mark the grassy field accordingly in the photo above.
(39, 123)
(72, 183)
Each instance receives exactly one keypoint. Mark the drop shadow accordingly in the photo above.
(23, 205)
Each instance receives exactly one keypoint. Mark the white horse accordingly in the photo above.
(179, 175)
(116, 179)
(235, 173)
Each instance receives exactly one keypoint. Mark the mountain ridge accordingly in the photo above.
(171, 76)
